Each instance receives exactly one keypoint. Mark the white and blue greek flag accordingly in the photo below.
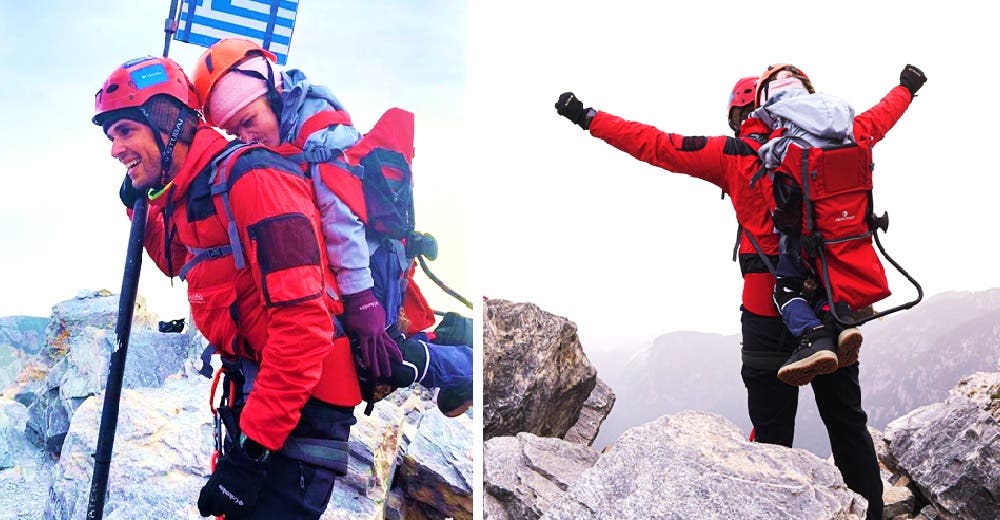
(267, 22)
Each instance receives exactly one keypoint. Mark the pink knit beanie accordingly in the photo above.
(784, 83)
(234, 91)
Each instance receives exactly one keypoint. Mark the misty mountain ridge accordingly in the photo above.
(908, 359)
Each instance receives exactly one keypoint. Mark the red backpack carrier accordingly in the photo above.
(825, 194)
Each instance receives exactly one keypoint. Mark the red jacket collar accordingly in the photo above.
(752, 125)
(207, 143)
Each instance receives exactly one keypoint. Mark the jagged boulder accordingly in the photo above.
(407, 460)
(437, 469)
(595, 409)
(897, 498)
(535, 374)
(160, 460)
(375, 444)
(98, 309)
(25, 472)
(82, 371)
(13, 418)
(698, 465)
(526, 475)
(951, 450)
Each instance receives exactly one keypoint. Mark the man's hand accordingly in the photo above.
(570, 107)
(912, 78)
(364, 320)
(128, 194)
(234, 486)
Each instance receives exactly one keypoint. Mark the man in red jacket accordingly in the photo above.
(259, 290)
(730, 163)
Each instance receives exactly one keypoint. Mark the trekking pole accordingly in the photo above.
(445, 288)
(123, 329)
(116, 368)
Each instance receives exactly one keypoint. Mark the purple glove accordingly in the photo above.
(364, 320)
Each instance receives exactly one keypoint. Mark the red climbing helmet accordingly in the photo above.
(135, 81)
(742, 94)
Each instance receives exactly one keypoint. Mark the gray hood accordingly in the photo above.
(817, 119)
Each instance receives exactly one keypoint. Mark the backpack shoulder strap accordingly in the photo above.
(218, 181)
(760, 252)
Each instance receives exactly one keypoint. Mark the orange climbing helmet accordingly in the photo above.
(773, 71)
(222, 57)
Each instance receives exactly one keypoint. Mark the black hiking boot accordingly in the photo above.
(848, 340)
(848, 346)
(454, 401)
(815, 356)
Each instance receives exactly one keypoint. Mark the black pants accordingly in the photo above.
(297, 490)
(772, 405)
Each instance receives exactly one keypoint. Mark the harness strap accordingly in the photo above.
(325, 453)
(764, 360)
(323, 154)
(806, 199)
(200, 255)
(759, 174)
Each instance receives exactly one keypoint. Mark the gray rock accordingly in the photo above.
(13, 418)
(151, 357)
(882, 452)
(525, 475)
(928, 513)
(595, 410)
(98, 309)
(12, 363)
(48, 419)
(698, 465)
(437, 470)
(535, 376)
(897, 500)
(82, 371)
(24, 483)
(951, 450)
(493, 509)
(374, 443)
(24, 333)
(160, 460)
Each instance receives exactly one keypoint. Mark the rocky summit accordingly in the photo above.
(940, 461)
(407, 460)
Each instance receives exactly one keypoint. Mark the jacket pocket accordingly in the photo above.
(288, 256)
(214, 311)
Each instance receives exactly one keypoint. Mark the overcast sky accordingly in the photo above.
(63, 228)
(627, 249)
(555, 216)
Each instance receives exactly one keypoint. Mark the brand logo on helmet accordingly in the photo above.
(148, 76)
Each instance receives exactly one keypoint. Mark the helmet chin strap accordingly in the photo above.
(166, 150)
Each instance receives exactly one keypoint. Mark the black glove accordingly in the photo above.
(571, 108)
(912, 78)
(454, 329)
(128, 194)
(234, 486)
